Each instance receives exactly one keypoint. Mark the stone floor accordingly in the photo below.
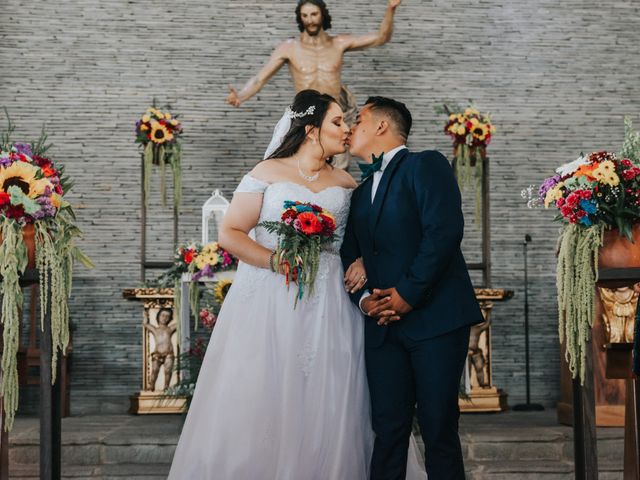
(510, 445)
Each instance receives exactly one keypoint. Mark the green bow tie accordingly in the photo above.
(369, 169)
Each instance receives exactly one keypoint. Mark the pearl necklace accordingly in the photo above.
(308, 178)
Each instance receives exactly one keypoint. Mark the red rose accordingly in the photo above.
(188, 256)
(289, 214)
(316, 208)
(328, 225)
(309, 223)
(14, 211)
(5, 198)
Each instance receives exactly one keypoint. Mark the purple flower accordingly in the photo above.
(547, 185)
(46, 210)
(205, 272)
(5, 161)
(23, 148)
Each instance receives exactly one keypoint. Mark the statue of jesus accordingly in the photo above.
(315, 58)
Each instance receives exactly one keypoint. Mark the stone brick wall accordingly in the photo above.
(557, 76)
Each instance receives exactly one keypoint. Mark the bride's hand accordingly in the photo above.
(356, 276)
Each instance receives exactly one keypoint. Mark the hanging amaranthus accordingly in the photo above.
(576, 276)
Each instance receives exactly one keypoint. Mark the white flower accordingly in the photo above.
(569, 168)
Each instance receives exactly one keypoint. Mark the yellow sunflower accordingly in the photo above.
(221, 289)
(480, 131)
(461, 130)
(23, 176)
(471, 111)
(146, 118)
(159, 133)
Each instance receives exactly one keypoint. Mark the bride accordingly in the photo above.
(282, 393)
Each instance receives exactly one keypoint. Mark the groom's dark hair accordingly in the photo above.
(397, 112)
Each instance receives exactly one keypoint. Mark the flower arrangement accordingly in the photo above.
(158, 133)
(190, 362)
(200, 262)
(302, 231)
(471, 133)
(596, 192)
(32, 206)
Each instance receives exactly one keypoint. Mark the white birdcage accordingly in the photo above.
(213, 212)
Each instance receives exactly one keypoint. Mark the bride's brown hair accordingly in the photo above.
(297, 133)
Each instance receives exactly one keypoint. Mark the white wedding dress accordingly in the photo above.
(282, 393)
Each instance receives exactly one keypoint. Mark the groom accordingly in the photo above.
(406, 223)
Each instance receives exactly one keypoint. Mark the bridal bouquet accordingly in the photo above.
(158, 133)
(303, 229)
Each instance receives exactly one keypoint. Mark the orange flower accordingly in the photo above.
(309, 223)
(586, 171)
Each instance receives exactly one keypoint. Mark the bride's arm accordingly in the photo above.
(241, 216)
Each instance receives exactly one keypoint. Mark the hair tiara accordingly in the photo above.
(292, 114)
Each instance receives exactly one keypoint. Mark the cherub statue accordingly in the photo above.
(163, 355)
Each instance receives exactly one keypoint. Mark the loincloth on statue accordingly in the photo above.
(161, 358)
(347, 102)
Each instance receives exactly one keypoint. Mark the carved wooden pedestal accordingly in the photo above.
(618, 365)
(160, 352)
(614, 321)
(482, 395)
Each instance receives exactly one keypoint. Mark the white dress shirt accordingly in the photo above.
(386, 159)
(377, 176)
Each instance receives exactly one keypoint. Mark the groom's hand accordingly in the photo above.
(396, 302)
(375, 305)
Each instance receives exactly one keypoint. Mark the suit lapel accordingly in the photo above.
(383, 186)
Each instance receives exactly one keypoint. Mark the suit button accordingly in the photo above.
(375, 252)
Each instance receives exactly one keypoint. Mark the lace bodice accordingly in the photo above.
(335, 199)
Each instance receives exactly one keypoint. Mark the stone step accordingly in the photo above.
(120, 471)
(500, 447)
(533, 470)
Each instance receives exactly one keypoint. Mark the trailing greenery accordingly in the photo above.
(576, 276)
(13, 262)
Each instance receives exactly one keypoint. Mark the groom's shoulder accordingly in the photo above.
(428, 159)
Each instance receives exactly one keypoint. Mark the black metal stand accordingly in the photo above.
(50, 408)
(144, 264)
(528, 406)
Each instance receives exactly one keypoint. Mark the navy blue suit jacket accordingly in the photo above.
(409, 238)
